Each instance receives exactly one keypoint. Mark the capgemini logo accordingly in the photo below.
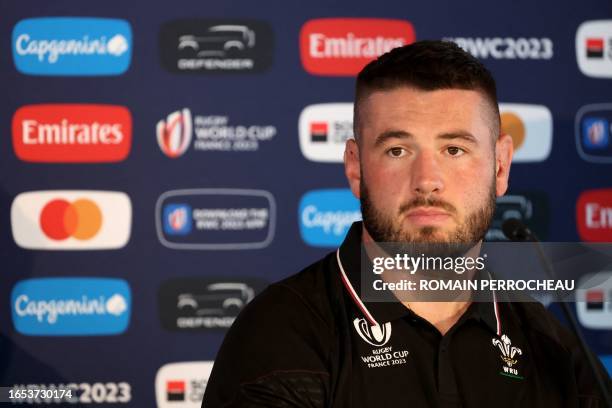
(174, 133)
(71, 306)
(117, 45)
(326, 215)
(376, 335)
(116, 305)
(72, 46)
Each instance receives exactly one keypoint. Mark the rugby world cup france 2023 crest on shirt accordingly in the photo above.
(378, 336)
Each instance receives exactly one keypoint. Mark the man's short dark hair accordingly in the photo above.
(427, 66)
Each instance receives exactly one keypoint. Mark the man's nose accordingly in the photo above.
(426, 174)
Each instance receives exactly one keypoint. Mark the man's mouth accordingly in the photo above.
(427, 216)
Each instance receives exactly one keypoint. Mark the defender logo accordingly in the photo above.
(219, 40)
(377, 335)
(507, 355)
(203, 304)
(214, 46)
(174, 134)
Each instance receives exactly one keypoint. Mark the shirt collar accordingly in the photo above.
(350, 258)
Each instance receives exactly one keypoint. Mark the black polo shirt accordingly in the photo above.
(309, 341)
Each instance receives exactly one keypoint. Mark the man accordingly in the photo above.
(427, 164)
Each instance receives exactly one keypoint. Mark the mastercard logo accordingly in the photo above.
(71, 219)
(61, 219)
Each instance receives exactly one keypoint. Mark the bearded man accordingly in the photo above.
(427, 162)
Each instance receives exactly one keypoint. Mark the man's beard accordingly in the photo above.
(385, 229)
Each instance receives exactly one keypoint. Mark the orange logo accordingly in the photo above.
(60, 219)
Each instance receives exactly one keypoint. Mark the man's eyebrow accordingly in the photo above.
(459, 134)
(391, 134)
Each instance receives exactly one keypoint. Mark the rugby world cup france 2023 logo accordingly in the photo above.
(174, 133)
(375, 335)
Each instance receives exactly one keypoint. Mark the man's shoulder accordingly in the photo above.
(282, 344)
(307, 296)
(316, 284)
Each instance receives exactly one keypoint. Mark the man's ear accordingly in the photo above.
(504, 148)
(352, 169)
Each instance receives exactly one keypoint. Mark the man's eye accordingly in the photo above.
(455, 151)
(396, 152)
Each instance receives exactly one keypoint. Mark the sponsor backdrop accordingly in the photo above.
(159, 166)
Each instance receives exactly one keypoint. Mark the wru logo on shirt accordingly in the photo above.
(508, 352)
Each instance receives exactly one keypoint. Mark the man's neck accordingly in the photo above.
(441, 315)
